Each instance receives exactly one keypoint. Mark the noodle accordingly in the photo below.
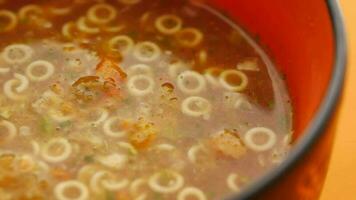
(11, 130)
(121, 43)
(139, 69)
(231, 182)
(191, 192)
(24, 83)
(147, 51)
(202, 107)
(229, 86)
(65, 147)
(135, 90)
(62, 188)
(168, 24)
(11, 18)
(114, 161)
(49, 70)
(189, 37)
(109, 11)
(17, 54)
(30, 11)
(9, 90)
(84, 27)
(174, 185)
(191, 82)
(250, 142)
(107, 127)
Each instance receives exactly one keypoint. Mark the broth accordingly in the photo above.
(133, 99)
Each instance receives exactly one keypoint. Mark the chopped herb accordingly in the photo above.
(46, 126)
(88, 158)
(110, 195)
(65, 124)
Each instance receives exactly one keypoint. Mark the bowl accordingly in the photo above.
(306, 41)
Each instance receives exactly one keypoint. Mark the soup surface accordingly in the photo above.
(133, 99)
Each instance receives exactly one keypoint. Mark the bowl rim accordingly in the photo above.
(320, 120)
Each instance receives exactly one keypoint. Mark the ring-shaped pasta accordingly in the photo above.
(175, 69)
(67, 29)
(102, 179)
(49, 70)
(183, 82)
(129, 147)
(203, 106)
(212, 76)
(270, 141)
(193, 151)
(129, 2)
(66, 148)
(24, 82)
(134, 90)
(114, 29)
(223, 78)
(11, 130)
(17, 54)
(59, 116)
(9, 90)
(35, 147)
(28, 11)
(121, 43)
(168, 24)
(25, 163)
(60, 190)
(60, 11)
(165, 147)
(135, 185)
(83, 26)
(189, 37)
(109, 11)
(139, 69)
(231, 182)
(11, 18)
(115, 160)
(191, 192)
(175, 184)
(107, 127)
(146, 51)
(104, 114)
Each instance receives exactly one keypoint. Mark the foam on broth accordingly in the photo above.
(134, 100)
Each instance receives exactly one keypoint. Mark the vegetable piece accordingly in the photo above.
(46, 126)
(142, 134)
(229, 144)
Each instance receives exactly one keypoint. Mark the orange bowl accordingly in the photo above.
(306, 41)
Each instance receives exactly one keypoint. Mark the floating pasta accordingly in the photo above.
(104, 180)
(35, 147)
(265, 143)
(17, 54)
(202, 57)
(24, 130)
(10, 18)
(189, 37)
(136, 185)
(121, 43)
(103, 115)
(191, 192)
(45, 68)
(146, 51)
(60, 116)
(83, 26)
(174, 184)
(108, 128)
(250, 64)
(101, 13)
(68, 30)
(25, 163)
(233, 80)
(212, 76)
(9, 90)
(30, 11)
(196, 107)
(139, 69)
(24, 83)
(140, 85)
(176, 68)
(114, 29)
(191, 82)
(56, 150)
(71, 190)
(128, 147)
(168, 24)
(129, 2)
(231, 182)
(60, 11)
(194, 150)
(115, 161)
(10, 133)
(4, 70)
(165, 147)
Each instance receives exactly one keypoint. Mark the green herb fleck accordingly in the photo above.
(110, 195)
(65, 124)
(46, 126)
(89, 158)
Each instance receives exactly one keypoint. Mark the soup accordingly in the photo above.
(134, 99)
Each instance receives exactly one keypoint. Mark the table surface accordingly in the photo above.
(341, 179)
